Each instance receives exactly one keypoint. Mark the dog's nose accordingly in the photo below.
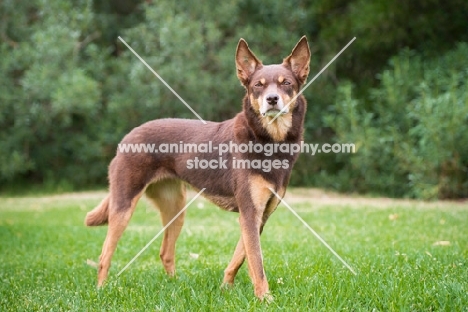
(272, 99)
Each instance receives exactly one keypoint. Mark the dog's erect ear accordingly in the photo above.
(299, 60)
(246, 62)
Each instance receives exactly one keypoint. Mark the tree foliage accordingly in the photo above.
(412, 142)
(70, 89)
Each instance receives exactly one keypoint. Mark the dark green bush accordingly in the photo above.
(411, 132)
(70, 90)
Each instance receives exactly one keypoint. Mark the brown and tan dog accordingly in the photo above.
(162, 176)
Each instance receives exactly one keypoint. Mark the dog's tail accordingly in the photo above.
(100, 214)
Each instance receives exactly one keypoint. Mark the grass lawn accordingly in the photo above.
(409, 256)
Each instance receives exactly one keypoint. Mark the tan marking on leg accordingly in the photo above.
(260, 195)
(249, 244)
(259, 191)
(169, 197)
(251, 239)
(272, 205)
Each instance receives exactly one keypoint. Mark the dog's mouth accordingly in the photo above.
(273, 112)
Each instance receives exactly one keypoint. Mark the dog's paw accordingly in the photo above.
(226, 286)
(267, 298)
(92, 263)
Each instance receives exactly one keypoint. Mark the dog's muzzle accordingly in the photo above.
(273, 105)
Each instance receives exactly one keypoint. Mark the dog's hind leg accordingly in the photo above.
(169, 197)
(121, 208)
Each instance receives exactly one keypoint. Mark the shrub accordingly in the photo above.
(411, 131)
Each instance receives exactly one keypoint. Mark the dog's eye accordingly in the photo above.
(286, 83)
(258, 85)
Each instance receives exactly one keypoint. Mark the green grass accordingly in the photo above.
(44, 248)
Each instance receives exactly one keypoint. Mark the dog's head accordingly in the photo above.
(271, 88)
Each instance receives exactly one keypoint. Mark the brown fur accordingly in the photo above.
(100, 214)
(162, 176)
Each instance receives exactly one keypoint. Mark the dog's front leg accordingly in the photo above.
(250, 222)
(236, 262)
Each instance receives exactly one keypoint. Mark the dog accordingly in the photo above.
(266, 118)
